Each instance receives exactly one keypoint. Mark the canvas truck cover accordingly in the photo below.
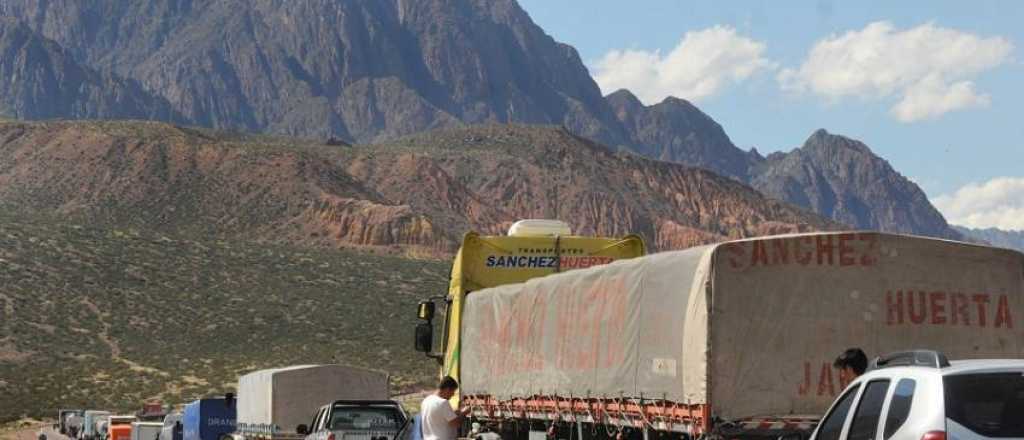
(490, 261)
(748, 328)
(288, 397)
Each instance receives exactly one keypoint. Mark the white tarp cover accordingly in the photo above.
(288, 397)
(631, 327)
(760, 341)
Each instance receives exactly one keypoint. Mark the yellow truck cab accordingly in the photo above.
(532, 249)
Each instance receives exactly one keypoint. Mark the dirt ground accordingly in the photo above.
(30, 430)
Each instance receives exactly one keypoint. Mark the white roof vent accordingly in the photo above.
(539, 228)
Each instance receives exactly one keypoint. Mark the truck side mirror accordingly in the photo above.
(426, 310)
(424, 337)
(301, 430)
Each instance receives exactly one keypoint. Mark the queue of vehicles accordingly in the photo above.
(276, 404)
(553, 335)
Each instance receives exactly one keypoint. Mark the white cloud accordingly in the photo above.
(699, 66)
(998, 203)
(927, 68)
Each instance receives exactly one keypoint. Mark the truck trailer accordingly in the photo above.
(146, 430)
(89, 422)
(273, 403)
(209, 419)
(731, 340)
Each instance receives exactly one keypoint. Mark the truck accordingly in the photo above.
(73, 423)
(146, 430)
(119, 427)
(532, 248)
(172, 427)
(89, 420)
(273, 403)
(356, 419)
(210, 418)
(732, 340)
(62, 419)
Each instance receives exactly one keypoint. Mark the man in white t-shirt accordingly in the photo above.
(439, 420)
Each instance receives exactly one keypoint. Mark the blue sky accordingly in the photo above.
(942, 101)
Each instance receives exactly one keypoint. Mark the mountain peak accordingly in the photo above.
(822, 140)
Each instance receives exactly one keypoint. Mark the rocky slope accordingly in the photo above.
(842, 179)
(416, 194)
(43, 81)
(362, 70)
(995, 237)
(675, 130)
(376, 70)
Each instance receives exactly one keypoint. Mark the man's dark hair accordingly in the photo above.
(448, 383)
(853, 358)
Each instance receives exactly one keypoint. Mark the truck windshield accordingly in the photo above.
(365, 418)
(989, 404)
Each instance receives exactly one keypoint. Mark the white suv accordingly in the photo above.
(920, 395)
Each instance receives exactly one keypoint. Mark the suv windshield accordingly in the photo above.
(365, 418)
(989, 404)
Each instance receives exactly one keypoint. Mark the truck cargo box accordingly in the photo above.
(736, 330)
(281, 399)
(208, 419)
(146, 430)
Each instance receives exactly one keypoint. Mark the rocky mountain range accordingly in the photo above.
(995, 237)
(370, 71)
(414, 195)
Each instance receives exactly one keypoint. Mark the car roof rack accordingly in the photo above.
(913, 358)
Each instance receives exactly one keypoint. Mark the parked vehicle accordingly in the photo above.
(146, 430)
(172, 427)
(62, 419)
(921, 395)
(210, 418)
(120, 427)
(73, 424)
(734, 339)
(89, 425)
(356, 419)
(273, 403)
(152, 411)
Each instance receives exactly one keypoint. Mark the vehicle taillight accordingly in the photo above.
(934, 435)
(331, 437)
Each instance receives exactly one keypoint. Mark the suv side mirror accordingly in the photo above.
(426, 310)
(301, 430)
(424, 338)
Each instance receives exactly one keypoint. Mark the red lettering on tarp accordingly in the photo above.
(944, 308)
(938, 309)
(918, 317)
(825, 248)
(825, 383)
(845, 251)
(780, 252)
(803, 257)
(734, 251)
(894, 304)
(805, 385)
(867, 255)
(1003, 317)
(982, 301)
(958, 306)
(760, 254)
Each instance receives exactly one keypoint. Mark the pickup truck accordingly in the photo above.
(357, 420)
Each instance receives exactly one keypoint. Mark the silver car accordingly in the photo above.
(920, 395)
